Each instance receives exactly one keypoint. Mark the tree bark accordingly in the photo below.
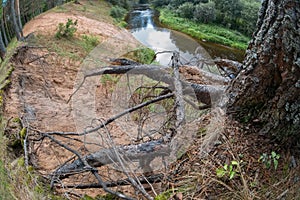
(268, 88)
(3, 31)
(19, 18)
(2, 48)
(14, 18)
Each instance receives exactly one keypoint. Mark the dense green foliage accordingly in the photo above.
(121, 3)
(205, 12)
(223, 22)
(186, 10)
(240, 15)
(118, 12)
(213, 33)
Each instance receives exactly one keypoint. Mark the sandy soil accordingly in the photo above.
(43, 81)
(41, 87)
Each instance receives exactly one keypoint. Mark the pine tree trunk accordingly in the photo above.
(2, 48)
(19, 18)
(267, 91)
(4, 33)
(15, 24)
(7, 29)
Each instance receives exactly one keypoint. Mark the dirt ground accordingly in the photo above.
(43, 81)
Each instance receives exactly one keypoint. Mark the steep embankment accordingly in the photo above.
(47, 69)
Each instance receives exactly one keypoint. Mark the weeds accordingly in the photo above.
(119, 14)
(268, 159)
(108, 82)
(66, 30)
(142, 55)
(228, 171)
(89, 42)
(5, 187)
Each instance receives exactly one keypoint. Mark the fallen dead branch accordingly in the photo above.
(179, 102)
(143, 151)
(110, 120)
(142, 154)
(230, 67)
(87, 167)
(155, 178)
(158, 73)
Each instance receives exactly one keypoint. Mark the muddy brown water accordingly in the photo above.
(145, 28)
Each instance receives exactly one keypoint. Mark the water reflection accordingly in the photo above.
(144, 29)
(159, 39)
(141, 19)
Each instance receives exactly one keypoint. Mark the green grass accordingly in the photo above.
(5, 68)
(5, 186)
(16, 181)
(209, 32)
(89, 42)
(142, 55)
(76, 48)
(98, 10)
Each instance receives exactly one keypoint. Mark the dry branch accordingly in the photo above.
(207, 76)
(143, 153)
(158, 73)
(123, 61)
(110, 120)
(230, 67)
(146, 151)
(142, 179)
(85, 167)
(179, 102)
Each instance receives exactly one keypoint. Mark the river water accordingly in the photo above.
(149, 32)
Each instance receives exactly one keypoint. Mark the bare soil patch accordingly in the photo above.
(44, 78)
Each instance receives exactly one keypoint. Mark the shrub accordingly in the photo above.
(176, 3)
(118, 12)
(66, 30)
(186, 10)
(121, 3)
(205, 12)
(160, 3)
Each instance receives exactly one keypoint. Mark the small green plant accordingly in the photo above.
(142, 55)
(122, 24)
(108, 82)
(268, 159)
(66, 30)
(109, 79)
(89, 42)
(228, 171)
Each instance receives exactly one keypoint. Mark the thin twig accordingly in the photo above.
(149, 179)
(120, 161)
(157, 73)
(35, 59)
(110, 120)
(88, 167)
